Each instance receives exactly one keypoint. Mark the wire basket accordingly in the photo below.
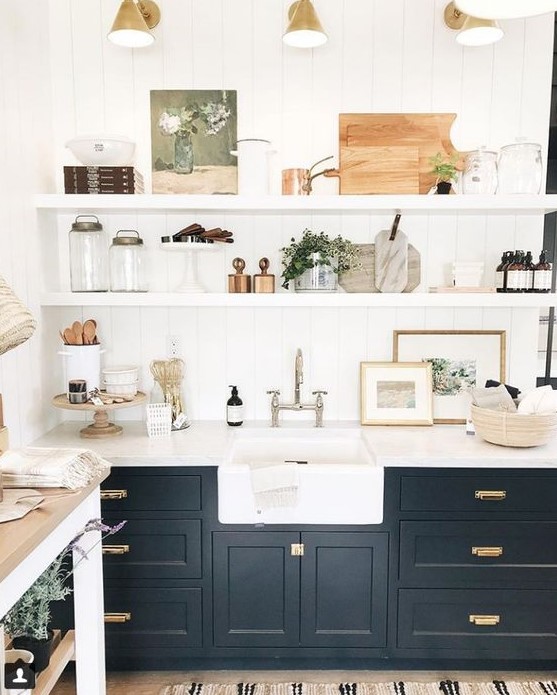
(159, 419)
(513, 429)
(16, 321)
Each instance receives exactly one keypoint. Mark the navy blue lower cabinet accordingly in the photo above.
(286, 589)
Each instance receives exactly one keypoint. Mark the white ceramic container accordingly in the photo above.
(102, 150)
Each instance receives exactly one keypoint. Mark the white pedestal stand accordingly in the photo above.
(190, 282)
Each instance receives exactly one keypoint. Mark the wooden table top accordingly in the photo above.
(20, 537)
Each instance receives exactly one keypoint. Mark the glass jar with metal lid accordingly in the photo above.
(127, 262)
(88, 255)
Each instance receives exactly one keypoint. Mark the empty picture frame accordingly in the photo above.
(461, 360)
(396, 393)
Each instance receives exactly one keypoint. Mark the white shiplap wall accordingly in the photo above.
(381, 56)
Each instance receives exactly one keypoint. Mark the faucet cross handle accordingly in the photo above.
(319, 393)
(275, 392)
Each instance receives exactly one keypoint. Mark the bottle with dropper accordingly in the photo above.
(234, 409)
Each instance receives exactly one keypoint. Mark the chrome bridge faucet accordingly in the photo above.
(276, 406)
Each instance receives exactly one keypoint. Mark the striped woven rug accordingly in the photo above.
(446, 687)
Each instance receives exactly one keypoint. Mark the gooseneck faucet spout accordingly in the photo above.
(298, 376)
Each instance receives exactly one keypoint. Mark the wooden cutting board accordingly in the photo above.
(363, 279)
(383, 153)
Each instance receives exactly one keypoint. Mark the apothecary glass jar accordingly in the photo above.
(88, 255)
(320, 278)
(480, 172)
(127, 262)
(520, 168)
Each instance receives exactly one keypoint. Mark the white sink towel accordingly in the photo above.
(51, 467)
(274, 484)
(539, 401)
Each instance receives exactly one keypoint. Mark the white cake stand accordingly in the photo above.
(190, 281)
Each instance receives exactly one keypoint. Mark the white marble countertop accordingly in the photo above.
(208, 443)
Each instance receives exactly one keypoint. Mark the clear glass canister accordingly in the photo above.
(520, 168)
(88, 255)
(127, 262)
(480, 172)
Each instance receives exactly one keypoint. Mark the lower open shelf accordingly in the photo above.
(63, 651)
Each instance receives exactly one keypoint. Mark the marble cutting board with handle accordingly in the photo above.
(391, 259)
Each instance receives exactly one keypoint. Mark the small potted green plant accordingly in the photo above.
(315, 261)
(28, 621)
(445, 170)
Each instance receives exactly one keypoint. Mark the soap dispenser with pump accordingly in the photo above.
(234, 409)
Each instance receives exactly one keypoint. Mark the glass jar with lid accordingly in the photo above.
(88, 255)
(127, 262)
(480, 172)
(520, 168)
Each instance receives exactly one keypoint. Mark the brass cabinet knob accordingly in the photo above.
(114, 494)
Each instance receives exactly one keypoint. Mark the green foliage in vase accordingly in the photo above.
(298, 257)
(444, 167)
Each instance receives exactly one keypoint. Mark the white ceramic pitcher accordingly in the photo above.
(253, 166)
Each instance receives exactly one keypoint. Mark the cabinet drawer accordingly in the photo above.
(491, 551)
(157, 618)
(153, 492)
(498, 620)
(478, 493)
(154, 550)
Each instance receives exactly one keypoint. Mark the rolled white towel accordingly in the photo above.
(538, 402)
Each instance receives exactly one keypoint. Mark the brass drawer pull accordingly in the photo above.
(116, 549)
(494, 551)
(485, 619)
(117, 617)
(297, 549)
(490, 494)
(114, 494)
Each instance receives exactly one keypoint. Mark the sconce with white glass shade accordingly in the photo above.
(304, 28)
(132, 23)
(506, 9)
(472, 31)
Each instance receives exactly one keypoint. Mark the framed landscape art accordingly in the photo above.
(395, 393)
(460, 360)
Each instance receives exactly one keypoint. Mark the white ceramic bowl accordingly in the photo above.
(102, 150)
(121, 389)
(120, 375)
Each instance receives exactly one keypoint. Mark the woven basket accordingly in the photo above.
(16, 321)
(512, 429)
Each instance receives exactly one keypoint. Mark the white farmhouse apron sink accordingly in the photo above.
(339, 482)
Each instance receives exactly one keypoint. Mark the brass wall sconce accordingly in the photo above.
(472, 31)
(304, 29)
(132, 23)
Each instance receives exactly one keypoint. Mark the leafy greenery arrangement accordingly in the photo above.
(444, 167)
(338, 253)
(30, 616)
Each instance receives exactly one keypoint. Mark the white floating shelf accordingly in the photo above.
(288, 299)
(336, 204)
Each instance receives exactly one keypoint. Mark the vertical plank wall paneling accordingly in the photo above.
(381, 56)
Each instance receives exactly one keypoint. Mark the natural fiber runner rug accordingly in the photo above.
(394, 688)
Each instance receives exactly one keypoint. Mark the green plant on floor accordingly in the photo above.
(299, 256)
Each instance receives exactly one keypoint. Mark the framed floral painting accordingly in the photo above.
(192, 135)
(395, 393)
(460, 361)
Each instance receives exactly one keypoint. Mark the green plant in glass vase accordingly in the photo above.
(317, 250)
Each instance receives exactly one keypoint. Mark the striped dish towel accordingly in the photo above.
(274, 484)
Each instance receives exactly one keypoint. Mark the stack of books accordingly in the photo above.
(105, 179)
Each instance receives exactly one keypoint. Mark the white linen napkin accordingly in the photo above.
(274, 484)
(51, 467)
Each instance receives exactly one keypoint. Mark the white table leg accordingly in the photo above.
(89, 612)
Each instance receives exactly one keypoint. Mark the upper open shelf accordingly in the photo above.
(339, 204)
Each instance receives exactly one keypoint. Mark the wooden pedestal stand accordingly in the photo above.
(100, 427)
